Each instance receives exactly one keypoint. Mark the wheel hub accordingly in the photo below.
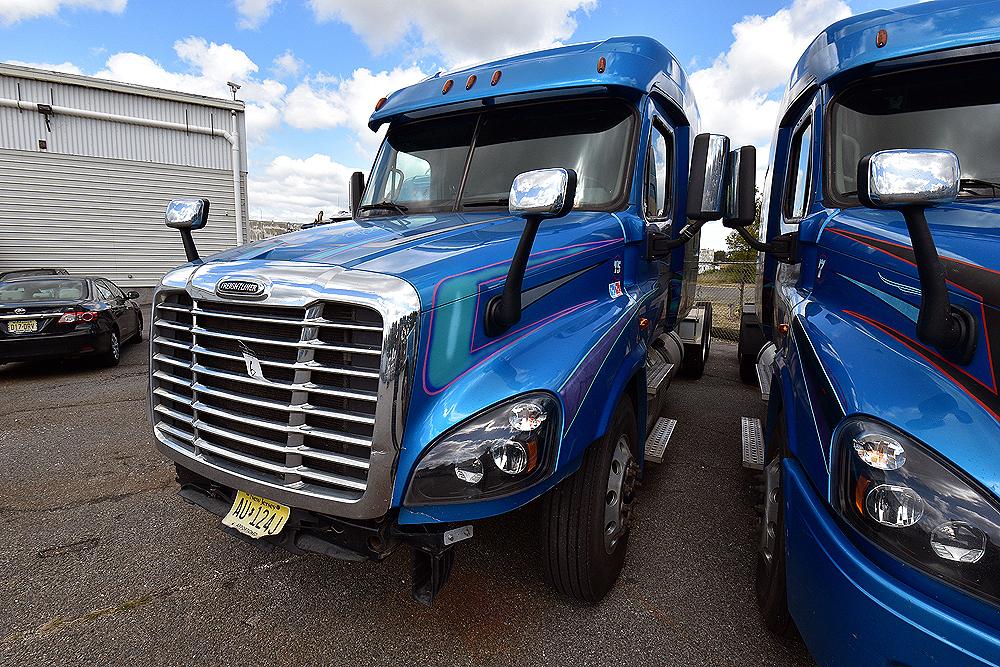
(772, 503)
(619, 498)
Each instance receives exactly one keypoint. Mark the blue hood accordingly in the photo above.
(424, 248)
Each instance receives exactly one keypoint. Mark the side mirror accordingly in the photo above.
(741, 205)
(707, 181)
(911, 181)
(356, 189)
(132, 295)
(535, 196)
(543, 193)
(187, 213)
(895, 178)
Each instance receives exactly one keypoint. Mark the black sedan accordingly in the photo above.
(66, 316)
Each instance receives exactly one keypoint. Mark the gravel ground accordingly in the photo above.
(102, 564)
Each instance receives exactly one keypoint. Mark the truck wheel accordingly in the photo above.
(696, 356)
(587, 517)
(771, 585)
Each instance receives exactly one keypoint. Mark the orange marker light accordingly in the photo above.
(783, 328)
(882, 38)
(496, 78)
(447, 86)
(381, 103)
(471, 82)
(643, 322)
(602, 64)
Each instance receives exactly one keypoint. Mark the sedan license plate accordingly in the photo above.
(256, 516)
(22, 326)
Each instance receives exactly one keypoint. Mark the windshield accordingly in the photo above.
(421, 165)
(952, 107)
(25, 291)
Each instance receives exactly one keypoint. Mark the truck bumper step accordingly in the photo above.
(753, 444)
(656, 443)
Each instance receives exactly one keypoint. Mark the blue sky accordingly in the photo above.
(312, 69)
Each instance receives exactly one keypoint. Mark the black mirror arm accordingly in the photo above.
(505, 311)
(939, 323)
(189, 248)
(784, 247)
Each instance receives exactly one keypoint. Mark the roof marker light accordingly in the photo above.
(381, 103)
(470, 82)
(447, 86)
(602, 64)
(496, 78)
(882, 38)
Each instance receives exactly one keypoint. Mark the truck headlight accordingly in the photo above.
(505, 449)
(920, 508)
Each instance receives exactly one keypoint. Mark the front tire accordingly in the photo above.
(588, 516)
(771, 584)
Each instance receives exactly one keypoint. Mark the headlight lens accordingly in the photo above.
(505, 449)
(920, 508)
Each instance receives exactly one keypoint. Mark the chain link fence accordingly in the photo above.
(727, 286)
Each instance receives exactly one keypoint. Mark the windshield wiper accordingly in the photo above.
(970, 185)
(501, 201)
(384, 206)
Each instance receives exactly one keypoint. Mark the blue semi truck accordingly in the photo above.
(497, 323)
(874, 339)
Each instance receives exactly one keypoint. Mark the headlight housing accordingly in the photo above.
(919, 507)
(500, 451)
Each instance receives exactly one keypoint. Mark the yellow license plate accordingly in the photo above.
(256, 516)
(22, 326)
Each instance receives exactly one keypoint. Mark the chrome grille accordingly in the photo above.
(308, 425)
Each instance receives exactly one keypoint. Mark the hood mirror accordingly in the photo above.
(185, 215)
(911, 181)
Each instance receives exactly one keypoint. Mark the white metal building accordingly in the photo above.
(87, 167)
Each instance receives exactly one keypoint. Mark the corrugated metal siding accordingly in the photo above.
(103, 216)
(21, 130)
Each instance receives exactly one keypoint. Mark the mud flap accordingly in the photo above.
(429, 574)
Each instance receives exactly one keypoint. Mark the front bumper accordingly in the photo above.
(75, 344)
(851, 612)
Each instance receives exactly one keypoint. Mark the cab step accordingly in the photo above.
(753, 444)
(656, 443)
(656, 377)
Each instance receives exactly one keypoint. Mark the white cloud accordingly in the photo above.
(294, 190)
(210, 66)
(66, 67)
(287, 65)
(12, 11)
(738, 94)
(460, 30)
(324, 102)
(254, 12)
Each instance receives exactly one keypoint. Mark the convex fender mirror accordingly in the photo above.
(185, 215)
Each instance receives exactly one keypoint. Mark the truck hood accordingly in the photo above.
(424, 249)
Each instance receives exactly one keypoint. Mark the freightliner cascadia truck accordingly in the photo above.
(497, 323)
(879, 309)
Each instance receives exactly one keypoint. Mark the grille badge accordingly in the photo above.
(241, 288)
(19, 311)
(254, 369)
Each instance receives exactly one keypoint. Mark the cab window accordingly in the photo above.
(798, 179)
(659, 163)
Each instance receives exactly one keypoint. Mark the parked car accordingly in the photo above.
(44, 317)
(21, 273)
(879, 309)
(498, 323)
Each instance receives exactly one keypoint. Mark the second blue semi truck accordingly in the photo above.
(876, 341)
(497, 323)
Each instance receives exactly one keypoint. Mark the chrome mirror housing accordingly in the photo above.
(543, 193)
(707, 181)
(905, 177)
(188, 213)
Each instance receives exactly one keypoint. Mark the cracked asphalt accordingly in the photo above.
(102, 564)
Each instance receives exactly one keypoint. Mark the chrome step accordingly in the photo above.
(753, 444)
(656, 377)
(656, 443)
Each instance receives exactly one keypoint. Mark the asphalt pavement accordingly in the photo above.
(101, 563)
